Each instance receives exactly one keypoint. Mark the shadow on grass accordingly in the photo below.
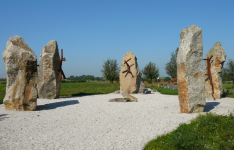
(56, 105)
(210, 105)
(2, 116)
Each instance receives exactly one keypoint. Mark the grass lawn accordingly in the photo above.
(228, 87)
(75, 89)
(2, 90)
(166, 91)
(208, 131)
(87, 88)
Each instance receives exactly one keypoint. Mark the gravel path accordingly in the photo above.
(91, 122)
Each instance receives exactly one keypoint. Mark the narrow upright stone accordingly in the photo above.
(190, 76)
(48, 72)
(216, 66)
(130, 80)
(21, 73)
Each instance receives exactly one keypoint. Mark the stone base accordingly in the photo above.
(120, 100)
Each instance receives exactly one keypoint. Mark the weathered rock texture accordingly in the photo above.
(130, 83)
(48, 72)
(142, 88)
(190, 76)
(129, 97)
(216, 66)
(21, 73)
(119, 100)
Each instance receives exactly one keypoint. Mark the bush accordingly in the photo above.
(167, 79)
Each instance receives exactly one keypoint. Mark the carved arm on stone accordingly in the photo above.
(209, 73)
(61, 73)
(128, 70)
(173, 80)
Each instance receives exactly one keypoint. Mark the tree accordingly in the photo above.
(167, 79)
(171, 66)
(151, 71)
(228, 72)
(110, 70)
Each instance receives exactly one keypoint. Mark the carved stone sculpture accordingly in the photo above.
(21, 73)
(130, 74)
(216, 65)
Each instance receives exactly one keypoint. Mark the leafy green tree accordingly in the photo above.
(171, 66)
(151, 71)
(110, 70)
(228, 71)
(167, 79)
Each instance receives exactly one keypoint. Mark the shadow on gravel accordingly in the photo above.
(210, 105)
(57, 104)
(2, 116)
(81, 94)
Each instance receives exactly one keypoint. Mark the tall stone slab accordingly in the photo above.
(48, 72)
(190, 76)
(130, 81)
(216, 65)
(21, 73)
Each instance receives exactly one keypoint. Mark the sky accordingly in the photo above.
(91, 31)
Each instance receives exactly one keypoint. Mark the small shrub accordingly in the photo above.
(167, 79)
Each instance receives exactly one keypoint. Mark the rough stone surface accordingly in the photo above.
(129, 97)
(48, 72)
(119, 100)
(142, 88)
(117, 92)
(190, 76)
(130, 83)
(21, 73)
(216, 66)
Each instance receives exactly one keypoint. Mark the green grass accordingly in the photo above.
(75, 89)
(228, 87)
(87, 88)
(2, 90)
(166, 91)
(208, 131)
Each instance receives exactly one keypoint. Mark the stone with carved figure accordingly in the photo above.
(130, 74)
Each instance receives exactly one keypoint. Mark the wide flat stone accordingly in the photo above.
(129, 97)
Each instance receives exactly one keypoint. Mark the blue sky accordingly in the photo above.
(91, 31)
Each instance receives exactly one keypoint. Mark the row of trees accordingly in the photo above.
(84, 78)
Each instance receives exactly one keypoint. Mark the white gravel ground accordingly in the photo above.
(91, 122)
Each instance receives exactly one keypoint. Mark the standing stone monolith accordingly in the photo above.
(48, 72)
(130, 74)
(21, 73)
(190, 76)
(216, 65)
